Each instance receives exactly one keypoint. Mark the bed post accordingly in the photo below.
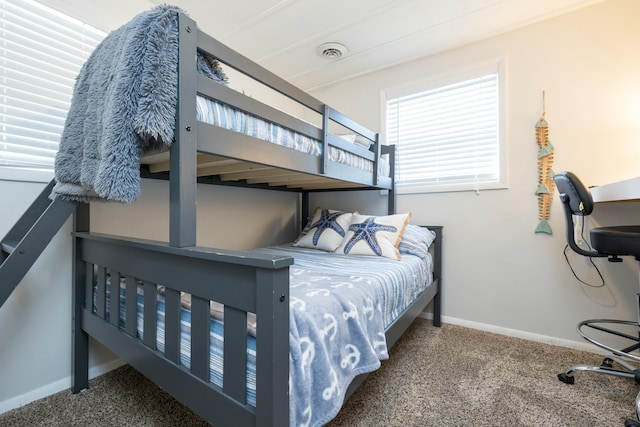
(304, 215)
(182, 186)
(391, 150)
(79, 338)
(272, 347)
(437, 263)
(324, 162)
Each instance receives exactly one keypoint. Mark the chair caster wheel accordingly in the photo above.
(566, 378)
(631, 423)
(607, 363)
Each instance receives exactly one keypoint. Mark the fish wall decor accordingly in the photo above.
(546, 185)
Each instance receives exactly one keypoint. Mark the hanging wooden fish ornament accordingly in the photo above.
(546, 185)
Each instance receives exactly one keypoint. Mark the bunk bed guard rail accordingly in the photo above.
(244, 282)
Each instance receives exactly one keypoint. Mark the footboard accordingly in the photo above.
(114, 275)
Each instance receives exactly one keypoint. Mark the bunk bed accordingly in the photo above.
(182, 314)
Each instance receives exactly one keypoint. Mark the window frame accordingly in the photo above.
(498, 66)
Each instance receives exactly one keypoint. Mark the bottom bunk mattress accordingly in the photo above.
(340, 307)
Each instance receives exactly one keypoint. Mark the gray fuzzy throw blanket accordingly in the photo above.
(124, 103)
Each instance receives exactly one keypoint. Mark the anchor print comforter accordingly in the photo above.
(339, 309)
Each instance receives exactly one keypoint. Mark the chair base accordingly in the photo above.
(621, 356)
(606, 367)
(625, 353)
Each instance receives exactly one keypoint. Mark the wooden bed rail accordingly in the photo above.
(217, 145)
(243, 281)
(260, 74)
(250, 68)
(235, 99)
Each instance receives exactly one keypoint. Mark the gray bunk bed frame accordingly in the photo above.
(244, 281)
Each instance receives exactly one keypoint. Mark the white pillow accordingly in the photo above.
(356, 139)
(348, 137)
(362, 141)
(374, 235)
(328, 228)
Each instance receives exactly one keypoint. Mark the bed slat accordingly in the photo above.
(235, 167)
(131, 306)
(100, 292)
(265, 173)
(172, 325)
(235, 345)
(324, 185)
(114, 299)
(200, 338)
(150, 319)
(160, 162)
(89, 278)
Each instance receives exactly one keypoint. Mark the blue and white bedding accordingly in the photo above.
(224, 116)
(340, 307)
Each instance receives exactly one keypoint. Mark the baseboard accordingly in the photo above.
(55, 387)
(544, 339)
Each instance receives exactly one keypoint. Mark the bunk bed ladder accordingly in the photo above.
(24, 243)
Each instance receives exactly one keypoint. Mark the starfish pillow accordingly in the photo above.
(327, 229)
(374, 235)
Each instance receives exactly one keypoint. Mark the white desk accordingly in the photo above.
(627, 190)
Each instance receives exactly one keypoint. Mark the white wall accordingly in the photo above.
(499, 274)
(35, 321)
(227, 217)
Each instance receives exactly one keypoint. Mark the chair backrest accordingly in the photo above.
(576, 200)
(579, 197)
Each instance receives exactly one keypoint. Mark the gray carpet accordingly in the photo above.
(449, 376)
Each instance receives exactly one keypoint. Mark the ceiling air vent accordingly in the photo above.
(332, 50)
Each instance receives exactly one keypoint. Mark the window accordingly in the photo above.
(449, 136)
(41, 52)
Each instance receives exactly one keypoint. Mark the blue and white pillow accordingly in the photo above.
(326, 231)
(416, 241)
(374, 235)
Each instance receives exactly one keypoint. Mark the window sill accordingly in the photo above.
(25, 175)
(451, 188)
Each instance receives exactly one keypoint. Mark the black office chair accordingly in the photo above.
(612, 243)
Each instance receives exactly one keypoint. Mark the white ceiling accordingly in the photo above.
(283, 35)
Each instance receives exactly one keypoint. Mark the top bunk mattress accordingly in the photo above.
(224, 116)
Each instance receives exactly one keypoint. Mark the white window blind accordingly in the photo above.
(41, 52)
(448, 137)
